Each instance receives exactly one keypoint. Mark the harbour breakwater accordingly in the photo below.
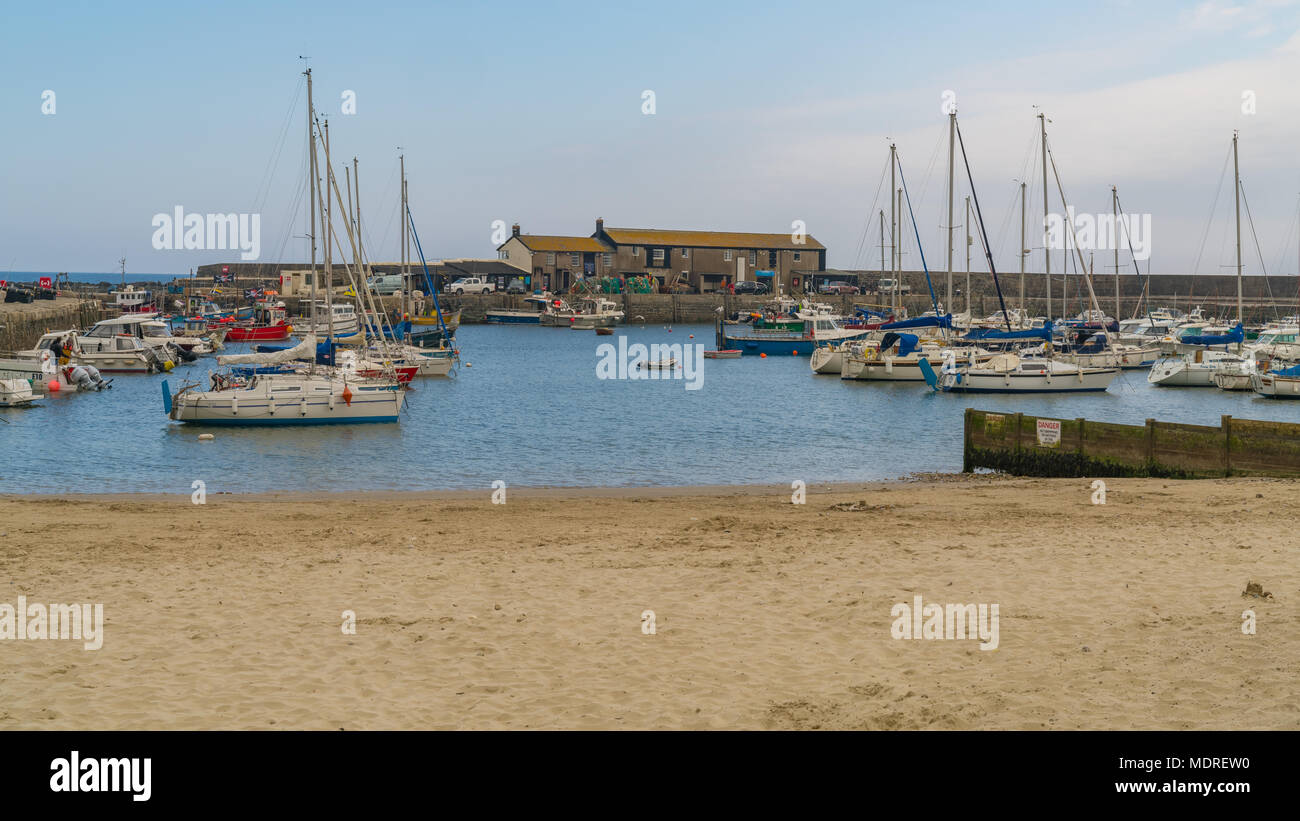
(21, 325)
(1043, 446)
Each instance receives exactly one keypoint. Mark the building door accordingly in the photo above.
(740, 268)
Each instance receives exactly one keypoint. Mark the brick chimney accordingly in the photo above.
(514, 230)
(600, 224)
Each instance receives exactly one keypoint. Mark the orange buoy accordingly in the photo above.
(794, 353)
(762, 356)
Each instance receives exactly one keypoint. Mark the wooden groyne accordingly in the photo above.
(1044, 446)
(21, 325)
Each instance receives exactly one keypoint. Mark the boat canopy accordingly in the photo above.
(1234, 336)
(306, 349)
(1291, 372)
(906, 342)
(1044, 333)
(944, 321)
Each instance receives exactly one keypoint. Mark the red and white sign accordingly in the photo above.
(46, 282)
(225, 269)
(1049, 432)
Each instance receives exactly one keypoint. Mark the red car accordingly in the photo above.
(837, 288)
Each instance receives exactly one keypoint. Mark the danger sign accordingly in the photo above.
(1049, 432)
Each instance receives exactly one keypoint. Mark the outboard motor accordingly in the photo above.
(85, 377)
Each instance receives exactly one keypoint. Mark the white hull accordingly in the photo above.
(827, 360)
(1186, 372)
(886, 369)
(1009, 373)
(15, 393)
(1276, 387)
(291, 399)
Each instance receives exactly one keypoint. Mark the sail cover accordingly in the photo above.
(944, 321)
(1044, 332)
(1234, 336)
(306, 349)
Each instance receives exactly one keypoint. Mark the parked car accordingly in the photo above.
(385, 285)
(886, 286)
(837, 288)
(516, 286)
(752, 286)
(471, 285)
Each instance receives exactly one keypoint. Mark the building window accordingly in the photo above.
(753, 258)
(608, 260)
(726, 256)
(636, 250)
(550, 257)
(503, 254)
(659, 255)
(575, 260)
(796, 256)
(686, 253)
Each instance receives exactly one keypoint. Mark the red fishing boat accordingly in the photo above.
(267, 325)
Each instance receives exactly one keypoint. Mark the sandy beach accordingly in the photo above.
(767, 614)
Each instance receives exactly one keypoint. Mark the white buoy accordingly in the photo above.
(205, 437)
(469, 364)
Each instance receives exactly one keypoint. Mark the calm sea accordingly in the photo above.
(530, 411)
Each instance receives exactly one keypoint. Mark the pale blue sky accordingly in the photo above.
(766, 113)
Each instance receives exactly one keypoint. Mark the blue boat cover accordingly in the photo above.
(1292, 371)
(1234, 336)
(944, 321)
(1044, 332)
(906, 342)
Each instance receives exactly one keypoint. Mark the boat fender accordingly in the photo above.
(167, 398)
(271, 405)
(303, 406)
(331, 402)
(234, 405)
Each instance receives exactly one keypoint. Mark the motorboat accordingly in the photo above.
(1012, 373)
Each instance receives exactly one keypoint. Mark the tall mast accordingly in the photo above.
(1114, 206)
(311, 193)
(893, 226)
(356, 185)
(952, 128)
(1022, 251)
(326, 223)
(1047, 251)
(1236, 185)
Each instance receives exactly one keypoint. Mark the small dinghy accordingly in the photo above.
(729, 354)
(15, 393)
(604, 332)
(661, 365)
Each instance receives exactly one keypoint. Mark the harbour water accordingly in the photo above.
(530, 410)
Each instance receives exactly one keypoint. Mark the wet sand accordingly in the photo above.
(767, 614)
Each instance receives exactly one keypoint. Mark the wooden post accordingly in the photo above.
(1151, 444)
(1226, 424)
(1016, 449)
(966, 466)
(1079, 421)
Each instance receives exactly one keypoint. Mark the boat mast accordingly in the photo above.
(327, 223)
(952, 130)
(311, 194)
(1236, 186)
(893, 227)
(405, 252)
(1047, 251)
